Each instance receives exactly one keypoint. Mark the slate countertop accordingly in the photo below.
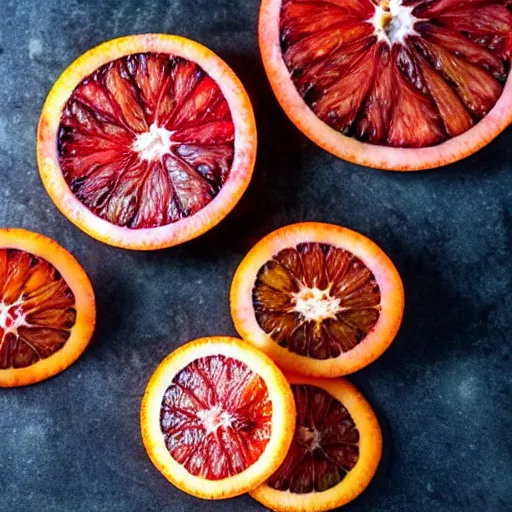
(442, 391)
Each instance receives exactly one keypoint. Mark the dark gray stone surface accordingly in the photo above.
(442, 391)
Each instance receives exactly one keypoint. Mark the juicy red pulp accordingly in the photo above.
(341, 280)
(36, 309)
(434, 85)
(216, 417)
(107, 113)
(325, 446)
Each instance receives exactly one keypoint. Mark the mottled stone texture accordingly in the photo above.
(442, 391)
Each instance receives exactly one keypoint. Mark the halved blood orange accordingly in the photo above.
(392, 84)
(319, 299)
(146, 141)
(335, 452)
(217, 417)
(47, 308)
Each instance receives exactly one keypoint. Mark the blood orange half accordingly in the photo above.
(392, 84)
(319, 299)
(335, 451)
(47, 308)
(217, 417)
(146, 141)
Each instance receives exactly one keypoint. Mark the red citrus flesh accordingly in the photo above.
(146, 140)
(325, 447)
(406, 74)
(216, 417)
(37, 309)
(316, 300)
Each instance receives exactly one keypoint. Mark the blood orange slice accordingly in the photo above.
(392, 84)
(319, 299)
(217, 417)
(146, 141)
(335, 451)
(47, 308)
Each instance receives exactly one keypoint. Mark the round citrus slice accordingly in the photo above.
(319, 299)
(146, 141)
(47, 308)
(392, 84)
(335, 451)
(217, 417)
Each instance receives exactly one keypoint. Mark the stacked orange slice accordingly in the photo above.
(217, 417)
(220, 419)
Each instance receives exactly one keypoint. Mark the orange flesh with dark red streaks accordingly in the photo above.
(146, 140)
(368, 74)
(325, 446)
(37, 309)
(216, 417)
(316, 300)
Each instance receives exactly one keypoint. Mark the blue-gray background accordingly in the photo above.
(443, 390)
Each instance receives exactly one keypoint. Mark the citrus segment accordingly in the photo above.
(357, 75)
(147, 141)
(47, 311)
(217, 417)
(335, 451)
(321, 300)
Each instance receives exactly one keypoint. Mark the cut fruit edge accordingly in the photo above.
(376, 341)
(283, 418)
(352, 150)
(79, 283)
(358, 478)
(185, 229)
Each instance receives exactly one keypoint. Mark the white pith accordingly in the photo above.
(153, 145)
(214, 418)
(316, 305)
(393, 21)
(12, 318)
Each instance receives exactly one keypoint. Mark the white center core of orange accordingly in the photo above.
(11, 317)
(214, 418)
(393, 21)
(317, 305)
(153, 145)
(310, 437)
